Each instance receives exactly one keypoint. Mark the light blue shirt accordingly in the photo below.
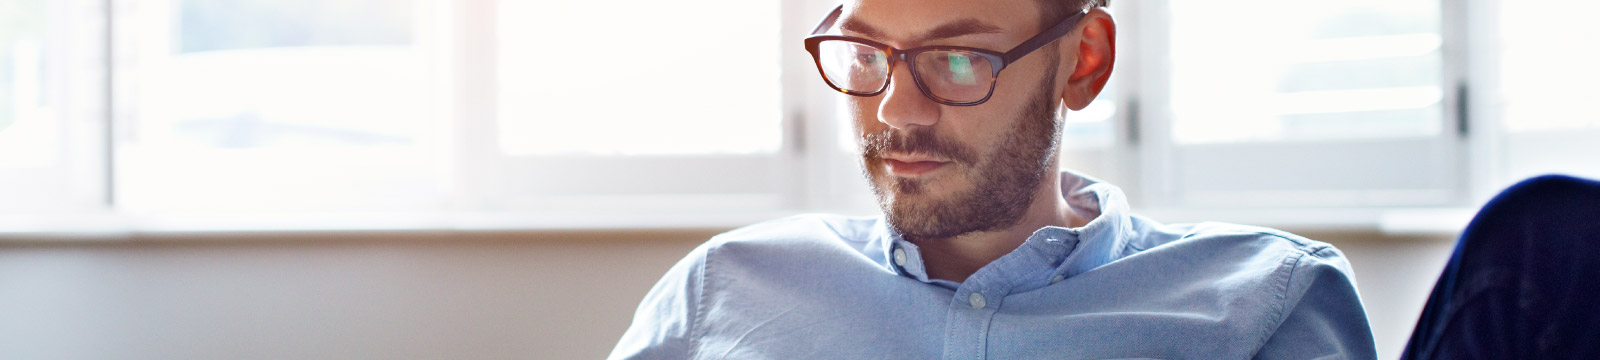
(1121, 286)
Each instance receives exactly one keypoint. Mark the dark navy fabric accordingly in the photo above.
(1523, 282)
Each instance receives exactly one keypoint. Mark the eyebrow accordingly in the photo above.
(967, 26)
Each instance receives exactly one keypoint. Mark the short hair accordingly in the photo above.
(1052, 11)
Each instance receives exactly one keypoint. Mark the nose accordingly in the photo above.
(903, 105)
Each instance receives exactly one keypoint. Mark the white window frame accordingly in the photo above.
(816, 169)
(1508, 156)
(489, 181)
(1174, 172)
(75, 184)
(143, 35)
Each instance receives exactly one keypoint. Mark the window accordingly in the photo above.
(562, 93)
(276, 105)
(1341, 104)
(51, 107)
(1327, 70)
(668, 105)
(33, 135)
(1548, 82)
(543, 109)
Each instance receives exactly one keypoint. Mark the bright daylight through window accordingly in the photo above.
(274, 105)
(579, 77)
(1326, 70)
(27, 132)
(539, 109)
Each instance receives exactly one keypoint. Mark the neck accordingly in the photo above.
(956, 258)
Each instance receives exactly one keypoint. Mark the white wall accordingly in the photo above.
(507, 296)
(425, 296)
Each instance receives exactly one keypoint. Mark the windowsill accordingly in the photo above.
(1387, 221)
(123, 227)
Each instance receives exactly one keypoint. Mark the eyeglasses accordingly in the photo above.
(950, 75)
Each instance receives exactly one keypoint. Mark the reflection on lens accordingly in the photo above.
(961, 69)
(853, 67)
(957, 76)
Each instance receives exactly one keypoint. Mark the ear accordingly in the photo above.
(1095, 51)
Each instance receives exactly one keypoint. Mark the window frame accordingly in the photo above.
(487, 180)
(76, 183)
(815, 169)
(1170, 161)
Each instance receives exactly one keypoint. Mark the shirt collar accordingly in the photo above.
(1105, 238)
(1070, 250)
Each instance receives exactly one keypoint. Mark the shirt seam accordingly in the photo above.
(1298, 245)
(1292, 262)
(950, 319)
(1319, 250)
(696, 331)
(1130, 244)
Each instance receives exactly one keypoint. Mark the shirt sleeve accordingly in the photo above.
(1325, 317)
(663, 325)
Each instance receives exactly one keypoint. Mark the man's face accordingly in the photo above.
(940, 171)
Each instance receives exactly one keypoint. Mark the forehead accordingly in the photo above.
(907, 20)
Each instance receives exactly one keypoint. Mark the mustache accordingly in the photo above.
(916, 141)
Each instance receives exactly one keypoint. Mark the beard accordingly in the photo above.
(1003, 182)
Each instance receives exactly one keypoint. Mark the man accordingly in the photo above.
(985, 249)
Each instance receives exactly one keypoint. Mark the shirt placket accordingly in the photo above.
(970, 313)
(973, 308)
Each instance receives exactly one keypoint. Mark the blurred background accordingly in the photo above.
(352, 179)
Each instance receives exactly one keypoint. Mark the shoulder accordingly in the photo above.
(1276, 272)
(1306, 289)
(795, 234)
(1302, 251)
(1287, 262)
(1233, 238)
(802, 227)
(776, 247)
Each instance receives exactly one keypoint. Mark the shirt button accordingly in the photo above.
(900, 256)
(1056, 279)
(977, 300)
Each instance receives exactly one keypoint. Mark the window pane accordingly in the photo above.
(29, 135)
(1548, 77)
(275, 105)
(1548, 66)
(49, 107)
(1326, 70)
(662, 77)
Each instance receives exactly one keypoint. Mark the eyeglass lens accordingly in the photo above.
(853, 67)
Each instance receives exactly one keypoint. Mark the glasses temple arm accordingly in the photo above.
(1038, 41)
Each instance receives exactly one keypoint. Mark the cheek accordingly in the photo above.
(979, 127)
(864, 113)
(1022, 82)
(1012, 94)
